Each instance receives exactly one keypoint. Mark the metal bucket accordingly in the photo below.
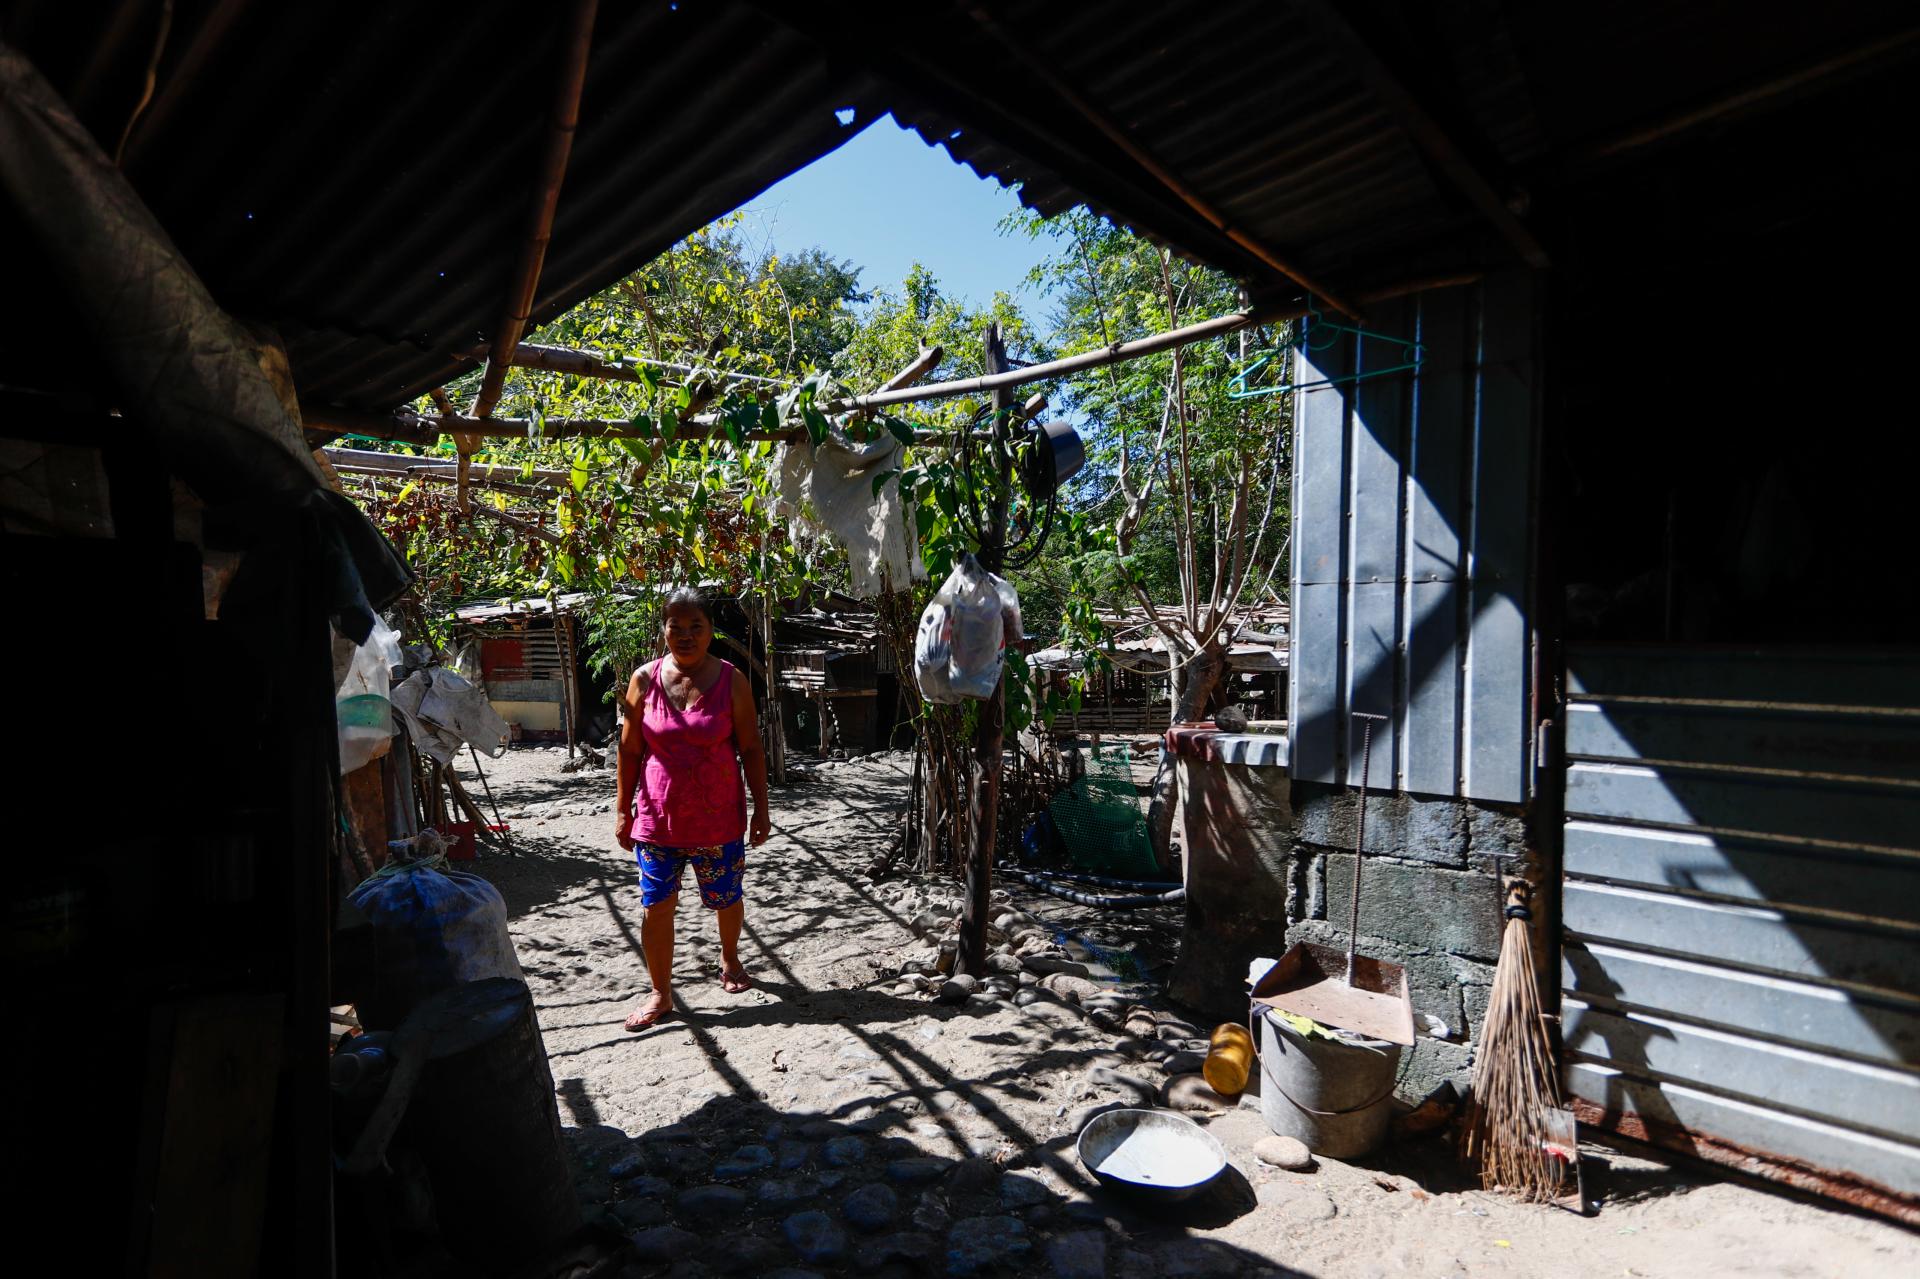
(1332, 1094)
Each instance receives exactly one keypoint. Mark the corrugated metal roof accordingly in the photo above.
(356, 176)
(1279, 128)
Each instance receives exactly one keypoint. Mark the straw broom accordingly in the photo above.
(1514, 1084)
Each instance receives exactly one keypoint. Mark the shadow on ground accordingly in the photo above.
(743, 1188)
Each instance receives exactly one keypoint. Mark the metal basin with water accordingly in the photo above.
(1153, 1152)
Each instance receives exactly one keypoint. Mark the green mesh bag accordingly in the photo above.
(1099, 819)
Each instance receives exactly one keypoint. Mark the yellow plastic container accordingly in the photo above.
(1230, 1059)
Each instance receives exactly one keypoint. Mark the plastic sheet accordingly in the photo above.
(362, 705)
(964, 632)
(434, 927)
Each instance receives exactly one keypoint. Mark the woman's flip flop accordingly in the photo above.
(640, 1018)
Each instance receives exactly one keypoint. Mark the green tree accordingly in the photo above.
(1192, 481)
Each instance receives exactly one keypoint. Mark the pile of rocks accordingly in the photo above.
(1019, 950)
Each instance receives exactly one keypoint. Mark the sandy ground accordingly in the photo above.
(834, 1120)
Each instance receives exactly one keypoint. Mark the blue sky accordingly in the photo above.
(887, 199)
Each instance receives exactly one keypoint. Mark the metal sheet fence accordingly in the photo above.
(1741, 960)
(1411, 551)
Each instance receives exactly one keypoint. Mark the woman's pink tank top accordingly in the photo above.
(690, 794)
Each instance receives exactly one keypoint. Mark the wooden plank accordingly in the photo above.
(1862, 814)
(1886, 885)
(1818, 1018)
(1858, 744)
(1859, 1095)
(1808, 948)
(209, 1196)
(524, 690)
(1889, 1163)
(1885, 678)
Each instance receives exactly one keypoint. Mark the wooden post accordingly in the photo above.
(984, 801)
(776, 731)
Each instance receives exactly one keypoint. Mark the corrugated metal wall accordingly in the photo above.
(1742, 901)
(1411, 547)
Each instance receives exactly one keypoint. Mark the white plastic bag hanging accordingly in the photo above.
(933, 650)
(966, 629)
(362, 706)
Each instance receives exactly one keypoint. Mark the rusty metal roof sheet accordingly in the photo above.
(356, 176)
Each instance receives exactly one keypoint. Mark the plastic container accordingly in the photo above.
(1332, 1094)
(464, 845)
(1230, 1059)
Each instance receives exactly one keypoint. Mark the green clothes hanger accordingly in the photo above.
(1316, 335)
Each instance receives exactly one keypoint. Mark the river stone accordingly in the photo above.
(1081, 1254)
(914, 1172)
(626, 1165)
(816, 1237)
(638, 1214)
(645, 1187)
(845, 1152)
(903, 1246)
(778, 1192)
(931, 1213)
(744, 1162)
(1183, 1063)
(741, 1254)
(1108, 1077)
(1181, 1258)
(791, 1155)
(871, 1208)
(710, 1205)
(1017, 1191)
(1284, 1152)
(1305, 1209)
(663, 1243)
(956, 989)
(1190, 1092)
(977, 1244)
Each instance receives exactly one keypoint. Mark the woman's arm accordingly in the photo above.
(753, 756)
(632, 755)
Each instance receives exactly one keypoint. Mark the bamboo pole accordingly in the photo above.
(562, 120)
(591, 364)
(983, 801)
(407, 427)
(401, 464)
(435, 477)
(1097, 358)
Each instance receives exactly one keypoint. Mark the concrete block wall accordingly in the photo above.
(1429, 901)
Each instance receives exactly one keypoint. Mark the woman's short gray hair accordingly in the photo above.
(686, 597)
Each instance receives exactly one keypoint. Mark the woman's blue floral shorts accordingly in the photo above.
(717, 870)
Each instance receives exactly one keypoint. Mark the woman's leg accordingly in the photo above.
(720, 871)
(660, 871)
(656, 944)
(733, 974)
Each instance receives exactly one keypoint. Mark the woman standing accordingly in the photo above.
(689, 728)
